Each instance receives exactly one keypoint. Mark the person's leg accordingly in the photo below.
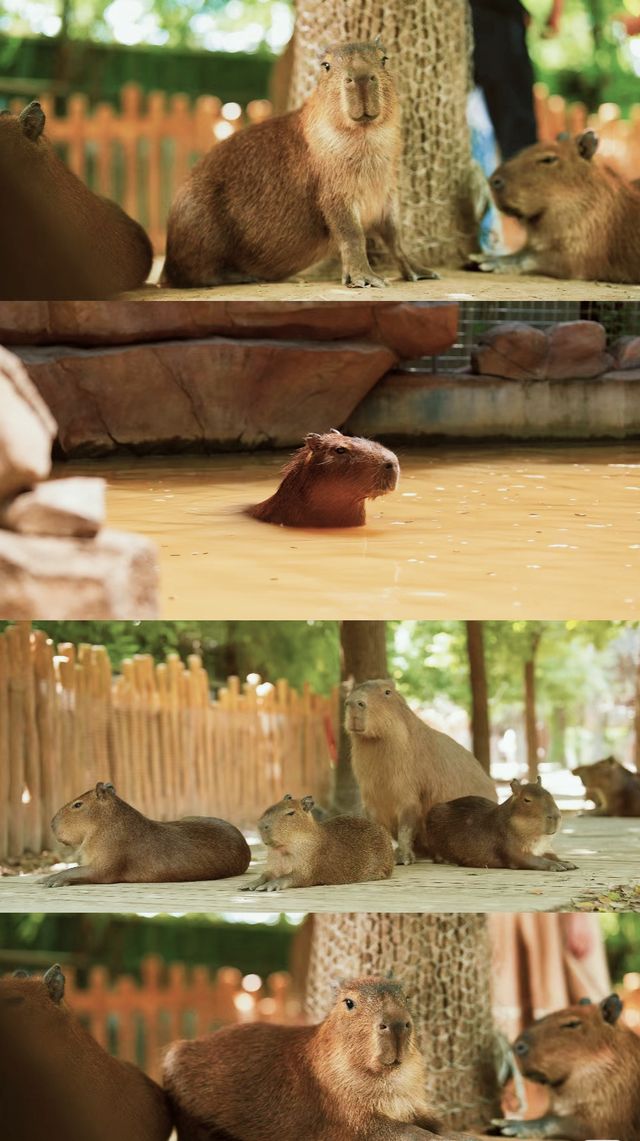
(504, 72)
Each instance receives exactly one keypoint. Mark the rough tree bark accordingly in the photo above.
(363, 653)
(480, 729)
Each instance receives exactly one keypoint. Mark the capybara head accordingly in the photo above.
(355, 83)
(372, 707)
(285, 820)
(75, 821)
(27, 127)
(346, 466)
(533, 808)
(553, 1048)
(601, 774)
(372, 1019)
(27, 996)
(543, 175)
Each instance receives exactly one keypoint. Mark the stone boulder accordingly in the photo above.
(61, 507)
(577, 351)
(27, 429)
(626, 352)
(513, 350)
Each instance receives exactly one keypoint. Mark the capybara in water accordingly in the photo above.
(357, 1076)
(476, 833)
(614, 790)
(117, 844)
(67, 1067)
(269, 201)
(581, 219)
(591, 1067)
(404, 767)
(328, 481)
(303, 851)
(57, 238)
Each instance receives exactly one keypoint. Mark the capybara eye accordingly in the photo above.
(326, 66)
(290, 813)
(573, 1025)
(77, 804)
(341, 451)
(384, 60)
(349, 1003)
(387, 692)
(547, 160)
(527, 799)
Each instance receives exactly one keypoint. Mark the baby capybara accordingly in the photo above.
(590, 1064)
(614, 790)
(328, 481)
(267, 202)
(476, 833)
(117, 844)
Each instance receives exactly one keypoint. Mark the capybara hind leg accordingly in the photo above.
(388, 231)
(408, 824)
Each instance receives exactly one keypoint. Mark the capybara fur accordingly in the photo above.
(404, 767)
(303, 851)
(476, 833)
(357, 1076)
(328, 481)
(614, 790)
(117, 844)
(271, 200)
(590, 1064)
(67, 1067)
(581, 219)
(59, 240)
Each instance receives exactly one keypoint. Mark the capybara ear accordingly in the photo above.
(287, 796)
(307, 803)
(587, 144)
(54, 982)
(32, 121)
(348, 685)
(515, 786)
(611, 1008)
(585, 1002)
(104, 789)
(312, 439)
(539, 780)
(20, 974)
(390, 973)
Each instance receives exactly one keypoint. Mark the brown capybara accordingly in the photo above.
(67, 1067)
(59, 240)
(581, 219)
(303, 851)
(404, 767)
(117, 844)
(357, 1076)
(271, 200)
(476, 833)
(328, 481)
(614, 790)
(590, 1065)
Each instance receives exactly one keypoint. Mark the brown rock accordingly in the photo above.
(626, 352)
(417, 329)
(513, 350)
(60, 507)
(577, 350)
(27, 429)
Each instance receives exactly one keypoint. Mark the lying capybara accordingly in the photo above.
(357, 1076)
(404, 767)
(269, 201)
(476, 833)
(66, 1066)
(328, 481)
(590, 1065)
(117, 844)
(581, 219)
(303, 851)
(614, 790)
(59, 240)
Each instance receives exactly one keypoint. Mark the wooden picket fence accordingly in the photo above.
(619, 138)
(67, 720)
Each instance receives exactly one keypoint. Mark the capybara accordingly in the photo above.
(581, 219)
(67, 1067)
(117, 844)
(59, 240)
(614, 790)
(272, 199)
(357, 1076)
(328, 481)
(303, 851)
(476, 833)
(590, 1064)
(404, 767)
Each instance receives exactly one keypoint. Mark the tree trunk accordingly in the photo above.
(530, 722)
(429, 46)
(363, 651)
(636, 717)
(480, 730)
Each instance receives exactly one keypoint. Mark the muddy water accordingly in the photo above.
(485, 532)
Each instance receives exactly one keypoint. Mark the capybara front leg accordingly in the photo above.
(521, 262)
(388, 230)
(564, 865)
(542, 1127)
(72, 876)
(280, 883)
(257, 884)
(347, 231)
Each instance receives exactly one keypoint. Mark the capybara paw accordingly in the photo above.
(481, 263)
(405, 858)
(567, 866)
(57, 880)
(270, 885)
(360, 280)
(510, 1128)
(418, 274)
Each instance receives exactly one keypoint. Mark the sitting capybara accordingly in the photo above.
(269, 201)
(581, 219)
(614, 790)
(303, 851)
(66, 1067)
(59, 240)
(117, 844)
(357, 1076)
(476, 833)
(590, 1065)
(404, 767)
(328, 481)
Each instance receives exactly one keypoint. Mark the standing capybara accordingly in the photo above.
(614, 790)
(581, 219)
(117, 844)
(328, 481)
(404, 767)
(269, 201)
(590, 1065)
(59, 240)
(476, 833)
(303, 851)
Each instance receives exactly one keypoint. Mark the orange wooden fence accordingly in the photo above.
(619, 138)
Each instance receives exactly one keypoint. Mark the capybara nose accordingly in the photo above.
(361, 705)
(389, 465)
(521, 1047)
(496, 182)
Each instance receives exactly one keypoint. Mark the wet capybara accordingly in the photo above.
(328, 481)
(590, 1064)
(614, 790)
(404, 767)
(117, 844)
(476, 833)
(272, 199)
(303, 851)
